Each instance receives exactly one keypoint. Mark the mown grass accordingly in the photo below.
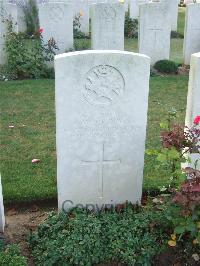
(29, 107)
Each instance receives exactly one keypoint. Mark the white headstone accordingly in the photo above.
(107, 26)
(56, 19)
(101, 112)
(81, 8)
(192, 32)
(134, 7)
(172, 6)
(154, 31)
(193, 100)
(2, 215)
(16, 13)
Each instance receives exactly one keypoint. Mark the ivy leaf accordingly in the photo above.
(179, 229)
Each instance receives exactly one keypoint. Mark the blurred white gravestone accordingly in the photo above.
(154, 31)
(172, 6)
(2, 215)
(56, 20)
(134, 7)
(107, 26)
(186, 2)
(193, 100)
(100, 145)
(81, 11)
(14, 12)
(192, 32)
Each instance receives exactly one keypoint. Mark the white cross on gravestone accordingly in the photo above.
(101, 162)
(155, 32)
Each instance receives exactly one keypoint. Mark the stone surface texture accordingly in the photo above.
(192, 32)
(107, 26)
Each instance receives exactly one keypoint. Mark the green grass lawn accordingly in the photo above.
(29, 106)
(181, 20)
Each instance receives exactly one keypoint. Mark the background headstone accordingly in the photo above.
(154, 31)
(192, 32)
(193, 100)
(107, 26)
(16, 13)
(2, 215)
(100, 145)
(186, 2)
(134, 7)
(56, 19)
(172, 6)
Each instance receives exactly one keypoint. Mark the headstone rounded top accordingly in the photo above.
(103, 52)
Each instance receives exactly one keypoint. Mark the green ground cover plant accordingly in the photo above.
(10, 255)
(82, 238)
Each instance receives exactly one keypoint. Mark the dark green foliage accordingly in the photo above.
(7, 73)
(131, 27)
(31, 17)
(10, 256)
(166, 66)
(80, 238)
(78, 34)
(175, 34)
(81, 44)
(27, 56)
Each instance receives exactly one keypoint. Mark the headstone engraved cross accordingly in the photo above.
(155, 30)
(102, 162)
(154, 40)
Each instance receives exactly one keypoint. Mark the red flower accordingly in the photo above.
(197, 120)
(40, 30)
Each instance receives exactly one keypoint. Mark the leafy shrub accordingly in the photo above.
(183, 210)
(166, 66)
(131, 27)
(82, 238)
(175, 34)
(7, 73)
(81, 44)
(27, 56)
(10, 256)
(78, 34)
